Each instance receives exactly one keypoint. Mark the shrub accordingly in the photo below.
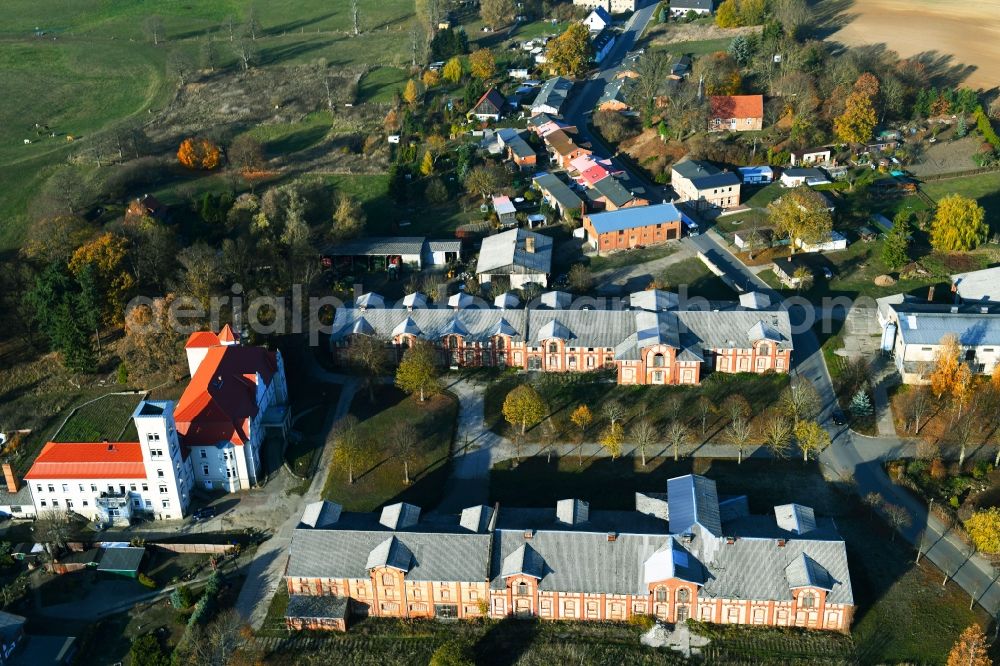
(199, 153)
(986, 129)
(938, 470)
(981, 470)
(181, 597)
(984, 529)
(453, 653)
(953, 502)
(644, 622)
(121, 375)
(146, 581)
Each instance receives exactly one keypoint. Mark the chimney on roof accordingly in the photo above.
(612, 536)
(529, 244)
(930, 293)
(781, 543)
(8, 475)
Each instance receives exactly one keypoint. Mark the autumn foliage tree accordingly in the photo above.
(152, 343)
(801, 215)
(959, 224)
(452, 70)
(984, 530)
(524, 407)
(971, 649)
(199, 153)
(721, 73)
(569, 53)
(105, 256)
(482, 64)
(418, 372)
(946, 363)
(857, 122)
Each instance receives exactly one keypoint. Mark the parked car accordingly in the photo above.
(838, 417)
(203, 514)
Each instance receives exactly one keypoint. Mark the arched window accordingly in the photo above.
(522, 589)
(453, 341)
(807, 600)
(388, 579)
(764, 348)
(553, 347)
(498, 342)
(661, 593)
(683, 595)
(657, 360)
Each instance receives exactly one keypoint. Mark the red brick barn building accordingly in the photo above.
(637, 225)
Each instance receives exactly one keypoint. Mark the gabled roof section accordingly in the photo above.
(221, 398)
(491, 102)
(653, 300)
(88, 460)
(556, 330)
(557, 300)
(612, 190)
(672, 561)
(693, 500)
(362, 327)
(455, 327)
(459, 300)
(391, 553)
(369, 300)
(804, 571)
(506, 300)
(737, 106)
(201, 339)
(227, 336)
(503, 327)
(476, 518)
(572, 511)
(524, 561)
(653, 328)
(320, 514)
(415, 300)
(763, 331)
(407, 327)
(400, 516)
(509, 251)
(795, 518)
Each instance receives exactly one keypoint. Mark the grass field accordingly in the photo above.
(108, 418)
(697, 48)
(698, 280)
(283, 138)
(381, 481)
(630, 257)
(380, 84)
(984, 188)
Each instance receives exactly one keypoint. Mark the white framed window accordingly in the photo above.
(203, 452)
(43, 503)
(156, 453)
(204, 470)
(166, 504)
(52, 488)
(159, 473)
(163, 489)
(86, 503)
(153, 437)
(145, 487)
(81, 487)
(65, 487)
(93, 487)
(131, 487)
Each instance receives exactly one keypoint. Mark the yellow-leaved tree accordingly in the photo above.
(411, 93)
(858, 121)
(984, 529)
(482, 64)
(418, 372)
(971, 649)
(452, 71)
(959, 224)
(524, 407)
(802, 216)
(613, 438)
(569, 53)
(946, 363)
(105, 256)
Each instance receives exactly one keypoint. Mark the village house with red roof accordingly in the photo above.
(212, 436)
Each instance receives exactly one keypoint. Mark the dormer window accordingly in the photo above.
(657, 360)
(522, 589)
(453, 342)
(553, 347)
(661, 594)
(807, 600)
(683, 595)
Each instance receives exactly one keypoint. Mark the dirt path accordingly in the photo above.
(967, 34)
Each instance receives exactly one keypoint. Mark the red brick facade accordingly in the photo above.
(651, 234)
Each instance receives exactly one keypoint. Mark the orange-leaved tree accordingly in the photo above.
(199, 153)
(105, 257)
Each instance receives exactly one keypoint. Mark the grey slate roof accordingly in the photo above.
(609, 188)
(520, 147)
(320, 514)
(391, 553)
(686, 5)
(653, 300)
(558, 190)
(970, 328)
(344, 553)
(795, 518)
(590, 328)
(804, 571)
(506, 251)
(378, 245)
(431, 323)
(693, 501)
(445, 245)
(556, 300)
(369, 300)
(525, 560)
(553, 94)
(732, 328)
(614, 91)
(307, 606)
(415, 300)
(121, 559)
(704, 175)
(507, 300)
(476, 518)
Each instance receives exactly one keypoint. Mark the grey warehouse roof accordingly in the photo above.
(431, 323)
(927, 328)
(378, 245)
(559, 191)
(553, 93)
(507, 252)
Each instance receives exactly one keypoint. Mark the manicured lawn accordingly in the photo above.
(698, 48)
(985, 188)
(108, 418)
(659, 404)
(762, 196)
(381, 84)
(631, 257)
(699, 281)
(381, 481)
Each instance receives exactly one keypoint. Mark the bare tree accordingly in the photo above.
(644, 435)
(800, 401)
(181, 64)
(777, 433)
(369, 352)
(153, 26)
(873, 501)
(614, 411)
(216, 643)
(898, 517)
(676, 435)
(404, 445)
(245, 50)
(253, 22)
(355, 17)
(737, 434)
(705, 408)
(53, 528)
(919, 402)
(736, 408)
(229, 23)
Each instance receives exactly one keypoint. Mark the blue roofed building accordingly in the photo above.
(631, 227)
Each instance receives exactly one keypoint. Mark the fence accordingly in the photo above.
(201, 548)
(958, 174)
